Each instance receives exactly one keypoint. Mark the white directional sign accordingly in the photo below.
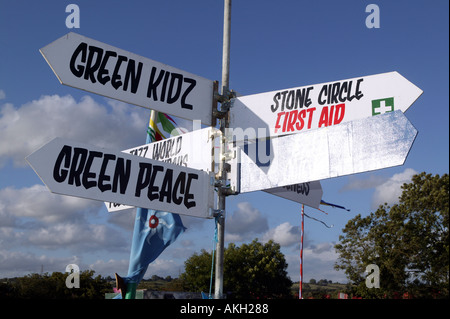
(193, 149)
(81, 170)
(353, 147)
(99, 68)
(322, 105)
(309, 193)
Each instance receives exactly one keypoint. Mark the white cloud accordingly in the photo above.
(245, 223)
(284, 234)
(355, 183)
(318, 263)
(37, 203)
(34, 217)
(124, 219)
(27, 128)
(2, 94)
(109, 267)
(16, 264)
(387, 189)
(164, 268)
(390, 191)
(75, 237)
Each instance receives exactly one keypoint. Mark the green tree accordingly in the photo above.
(252, 270)
(46, 286)
(409, 242)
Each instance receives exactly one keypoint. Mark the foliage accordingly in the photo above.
(157, 283)
(323, 289)
(408, 241)
(46, 286)
(252, 270)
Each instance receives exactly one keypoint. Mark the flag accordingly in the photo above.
(322, 202)
(153, 230)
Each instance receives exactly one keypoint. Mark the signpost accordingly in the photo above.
(82, 170)
(309, 193)
(321, 105)
(349, 148)
(193, 149)
(342, 127)
(99, 68)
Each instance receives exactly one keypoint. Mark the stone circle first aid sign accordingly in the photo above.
(322, 105)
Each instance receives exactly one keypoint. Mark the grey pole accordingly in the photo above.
(226, 47)
(218, 286)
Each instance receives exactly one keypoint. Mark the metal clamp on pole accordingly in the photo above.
(218, 213)
(226, 102)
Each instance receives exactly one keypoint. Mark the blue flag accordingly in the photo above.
(153, 232)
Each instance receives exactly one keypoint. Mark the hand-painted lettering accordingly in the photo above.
(102, 177)
(88, 174)
(107, 67)
(340, 92)
(167, 148)
(302, 188)
(303, 108)
(294, 120)
(332, 116)
(73, 166)
(188, 196)
(91, 63)
(291, 99)
(59, 174)
(175, 87)
(176, 192)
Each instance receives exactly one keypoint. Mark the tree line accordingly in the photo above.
(409, 242)
(53, 286)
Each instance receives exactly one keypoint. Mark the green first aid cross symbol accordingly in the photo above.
(382, 106)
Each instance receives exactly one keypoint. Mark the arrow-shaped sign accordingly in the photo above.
(321, 105)
(193, 149)
(99, 68)
(309, 193)
(82, 170)
(353, 147)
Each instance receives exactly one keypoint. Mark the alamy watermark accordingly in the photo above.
(373, 19)
(73, 19)
(373, 277)
(73, 279)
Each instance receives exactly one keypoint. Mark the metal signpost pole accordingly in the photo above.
(300, 290)
(218, 286)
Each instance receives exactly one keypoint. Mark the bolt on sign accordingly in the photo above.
(353, 147)
(81, 170)
(322, 105)
(99, 68)
(193, 149)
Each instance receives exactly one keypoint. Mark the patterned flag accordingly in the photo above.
(154, 230)
(322, 202)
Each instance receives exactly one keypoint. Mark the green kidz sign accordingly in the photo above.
(382, 106)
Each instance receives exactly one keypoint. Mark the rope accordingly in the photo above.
(212, 257)
(317, 220)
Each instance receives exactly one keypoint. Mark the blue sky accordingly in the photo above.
(274, 45)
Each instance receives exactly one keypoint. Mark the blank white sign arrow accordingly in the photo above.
(353, 147)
